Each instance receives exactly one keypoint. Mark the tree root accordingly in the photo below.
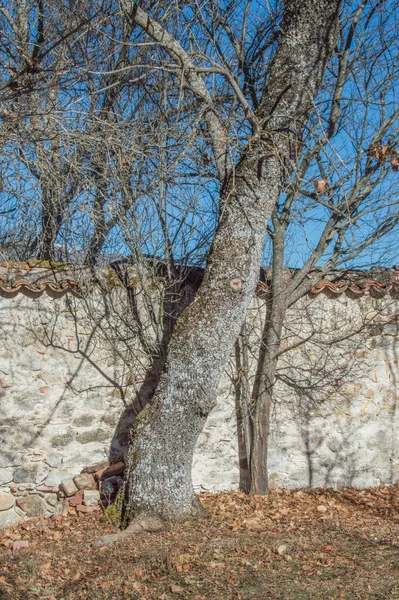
(143, 523)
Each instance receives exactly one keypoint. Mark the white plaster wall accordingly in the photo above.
(349, 438)
(59, 407)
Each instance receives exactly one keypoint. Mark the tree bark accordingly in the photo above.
(241, 387)
(165, 434)
(263, 395)
(262, 392)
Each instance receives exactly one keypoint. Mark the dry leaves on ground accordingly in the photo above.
(304, 544)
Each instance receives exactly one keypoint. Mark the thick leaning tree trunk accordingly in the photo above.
(160, 456)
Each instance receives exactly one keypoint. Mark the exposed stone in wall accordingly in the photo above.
(350, 438)
(64, 384)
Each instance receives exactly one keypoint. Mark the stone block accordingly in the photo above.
(8, 518)
(84, 480)
(93, 435)
(58, 508)
(84, 420)
(56, 477)
(65, 508)
(69, 488)
(31, 473)
(9, 457)
(91, 497)
(52, 500)
(54, 460)
(6, 475)
(7, 501)
(62, 439)
(32, 505)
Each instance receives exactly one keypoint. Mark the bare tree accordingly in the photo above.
(158, 110)
(160, 456)
(321, 352)
(341, 206)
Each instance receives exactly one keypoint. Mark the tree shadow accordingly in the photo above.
(179, 292)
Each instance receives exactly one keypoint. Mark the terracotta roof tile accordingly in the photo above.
(34, 277)
(37, 276)
(376, 283)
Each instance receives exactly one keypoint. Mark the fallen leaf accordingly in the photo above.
(176, 589)
(106, 585)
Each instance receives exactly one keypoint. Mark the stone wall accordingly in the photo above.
(65, 384)
(341, 428)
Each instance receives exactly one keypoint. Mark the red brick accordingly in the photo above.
(75, 500)
(81, 508)
(47, 488)
(99, 474)
(113, 470)
(96, 467)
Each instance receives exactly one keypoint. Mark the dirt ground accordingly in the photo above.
(306, 544)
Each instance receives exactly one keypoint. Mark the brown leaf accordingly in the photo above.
(176, 589)
(138, 572)
(395, 164)
(380, 152)
(320, 185)
(255, 524)
(106, 585)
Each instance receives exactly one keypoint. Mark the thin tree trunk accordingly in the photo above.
(51, 223)
(158, 474)
(244, 437)
(262, 393)
(264, 402)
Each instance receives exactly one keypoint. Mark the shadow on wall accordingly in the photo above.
(390, 347)
(178, 293)
(19, 419)
(115, 341)
(117, 350)
(357, 446)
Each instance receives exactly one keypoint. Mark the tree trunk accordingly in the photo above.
(263, 395)
(50, 226)
(241, 387)
(158, 474)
